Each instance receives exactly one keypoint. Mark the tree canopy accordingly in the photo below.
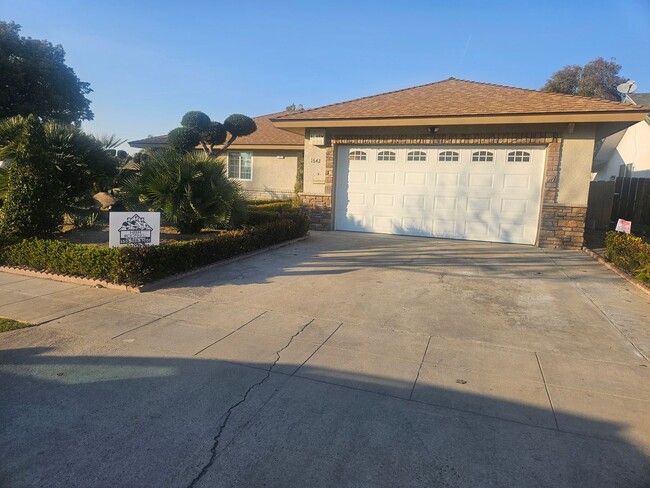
(197, 129)
(34, 79)
(597, 78)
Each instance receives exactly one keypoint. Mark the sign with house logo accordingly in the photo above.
(134, 229)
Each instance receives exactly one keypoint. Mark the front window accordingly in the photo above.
(240, 165)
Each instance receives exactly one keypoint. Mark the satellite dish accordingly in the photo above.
(627, 87)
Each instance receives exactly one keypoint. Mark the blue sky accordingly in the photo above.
(149, 62)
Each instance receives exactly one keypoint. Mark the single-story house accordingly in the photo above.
(265, 162)
(456, 159)
(627, 152)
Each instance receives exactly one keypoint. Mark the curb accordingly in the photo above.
(78, 280)
(617, 270)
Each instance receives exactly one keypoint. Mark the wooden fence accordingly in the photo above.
(623, 198)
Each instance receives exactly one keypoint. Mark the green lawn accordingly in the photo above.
(8, 324)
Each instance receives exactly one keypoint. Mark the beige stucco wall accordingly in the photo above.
(274, 174)
(633, 148)
(576, 159)
(314, 168)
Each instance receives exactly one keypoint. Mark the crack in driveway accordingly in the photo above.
(226, 416)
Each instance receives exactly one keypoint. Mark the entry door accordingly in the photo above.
(476, 193)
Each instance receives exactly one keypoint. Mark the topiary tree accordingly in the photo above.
(198, 130)
(191, 190)
(33, 205)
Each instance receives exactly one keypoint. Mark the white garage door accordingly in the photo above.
(475, 193)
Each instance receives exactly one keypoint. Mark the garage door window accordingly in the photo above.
(482, 157)
(358, 156)
(240, 165)
(519, 157)
(448, 156)
(416, 156)
(386, 156)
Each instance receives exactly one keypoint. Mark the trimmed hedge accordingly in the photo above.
(276, 206)
(630, 253)
(139, 265)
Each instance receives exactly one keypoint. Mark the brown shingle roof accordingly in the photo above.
(454, 97)
(266, 134)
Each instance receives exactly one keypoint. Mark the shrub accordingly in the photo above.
(269, 212)
(215, 134)
(272, 206)
(630, 253)
(257, 217)
(239, 125)
(191, 190)
(183, 139)
(198, 129)
(196, 120)
(140, 265)
(33, 203)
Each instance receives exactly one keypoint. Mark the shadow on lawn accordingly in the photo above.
(150, 421)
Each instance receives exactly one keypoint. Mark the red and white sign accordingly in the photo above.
(624, 226)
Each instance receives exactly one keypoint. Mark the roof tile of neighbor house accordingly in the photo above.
(266, 134)
(453, 97)
(640, 98)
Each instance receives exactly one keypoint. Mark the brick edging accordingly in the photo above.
(617, 270)
(79, 280)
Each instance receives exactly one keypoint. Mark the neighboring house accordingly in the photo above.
(265, 162)
(456, 159)
(627, 152)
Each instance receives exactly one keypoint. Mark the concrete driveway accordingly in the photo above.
(343, 360)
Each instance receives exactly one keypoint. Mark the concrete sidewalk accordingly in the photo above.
(344, 360)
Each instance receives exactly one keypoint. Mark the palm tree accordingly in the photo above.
(84, 163)
(191, 190)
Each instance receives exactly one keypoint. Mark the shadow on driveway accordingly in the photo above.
(151, 421)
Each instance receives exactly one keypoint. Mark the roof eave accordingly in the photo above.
(268, 147)
(146, 145)
(616, 116)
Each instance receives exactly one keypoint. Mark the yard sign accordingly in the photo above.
(624, 226)
(134, 228)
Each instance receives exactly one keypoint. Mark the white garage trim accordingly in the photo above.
(461, 192)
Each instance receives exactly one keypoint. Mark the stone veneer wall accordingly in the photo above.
(319, 210)
(562, 226)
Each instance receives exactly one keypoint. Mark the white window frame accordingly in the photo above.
(483, 156)
(238, 177)
(386, 153)
(449, 156)
(358, 155)
(416, 156)
(519, 156)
